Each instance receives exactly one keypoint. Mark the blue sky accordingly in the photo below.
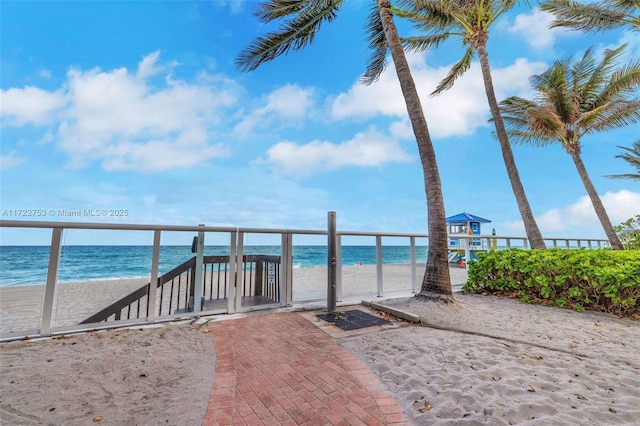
(137, 106)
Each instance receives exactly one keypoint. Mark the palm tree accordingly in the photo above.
(573, 99)
(596, 16)
(470, 20)
(632, 156)
(301, 20)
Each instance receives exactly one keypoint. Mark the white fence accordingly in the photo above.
(55, 308)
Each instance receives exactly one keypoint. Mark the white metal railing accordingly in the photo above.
(236, 245)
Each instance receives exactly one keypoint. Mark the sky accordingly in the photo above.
(136, 108)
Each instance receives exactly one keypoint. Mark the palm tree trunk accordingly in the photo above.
(436, 282)
(530, 225)
(597, 203)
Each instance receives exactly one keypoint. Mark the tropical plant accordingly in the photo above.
(574, 98)
(470, 20)
(598, 280)
(594, 16)
(629, 233)
(301, 21)
(632, 156)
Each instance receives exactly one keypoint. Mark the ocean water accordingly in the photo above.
(25, 265)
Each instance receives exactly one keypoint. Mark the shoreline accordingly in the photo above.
(119, 278)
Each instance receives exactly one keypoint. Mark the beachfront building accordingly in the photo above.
(465, 224)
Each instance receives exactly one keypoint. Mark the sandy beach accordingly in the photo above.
(481, 360)
(496, 361)
(21, 306)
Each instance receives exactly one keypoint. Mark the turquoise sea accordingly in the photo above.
(24, 265)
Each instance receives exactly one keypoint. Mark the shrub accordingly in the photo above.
(599, 280)
(629, 233)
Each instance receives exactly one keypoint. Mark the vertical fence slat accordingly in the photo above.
(52, 278)
(239, 279)
(379, 266)
(339, 268)
(155, 261)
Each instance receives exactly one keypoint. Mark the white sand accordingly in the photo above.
(501, 362)
(150, 376)
(541, 365)
(21, 306)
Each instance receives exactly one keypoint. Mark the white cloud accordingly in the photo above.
(116, 117)
(287, 105)
(10, 161)
(457, 112)
(367, 149)
(579, 218)
(534, 28)
(148, 65)
(401, 129)
(29, 105)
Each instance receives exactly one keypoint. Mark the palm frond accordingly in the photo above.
(632, 156)
(554, 88)
(613, 115)
(427, 15)
(593, 17)
(456, 71)
(586, 77)
(528, 137)
(625, 176)
(424, 43)
(277, 9)
(574, 98)
(294, 34)
(527, 123)
(621, 84)
(378, 45)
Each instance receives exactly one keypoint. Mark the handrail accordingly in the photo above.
(150, 227)
(111, 226)
(142, 292)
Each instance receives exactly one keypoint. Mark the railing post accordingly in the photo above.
(414, 284)
(153, 283)
(525, 243)
(339, 268)
(331, 262)
(257, 278)
(198, 279)
(233, 274)
(467, 251)
(379, 282)
(52, 278)
(286, 280)
(239, 280)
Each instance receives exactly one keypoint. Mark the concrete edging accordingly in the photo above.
(392, 311)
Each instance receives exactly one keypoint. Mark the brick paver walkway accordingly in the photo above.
(280, 369)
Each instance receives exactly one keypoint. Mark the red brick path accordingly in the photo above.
(279, 369)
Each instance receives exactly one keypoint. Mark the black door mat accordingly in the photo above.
(353, 320)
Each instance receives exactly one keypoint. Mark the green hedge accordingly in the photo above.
(599, 280)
